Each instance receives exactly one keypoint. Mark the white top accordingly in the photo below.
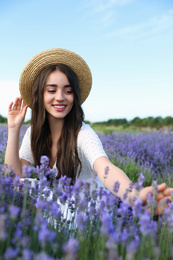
(89, 149)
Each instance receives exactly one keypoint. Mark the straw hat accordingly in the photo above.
(54, 56)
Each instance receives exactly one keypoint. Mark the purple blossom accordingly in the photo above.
(55, 210)
(27, 171)
(151, 203)
(147, 226)
(152, 151)
(155, 188)
(71, 247)
(45, 234)
(106, 225)
(94, 212)
(137, 207)
(63, 198)
(14, 211)
(43, 256)
(11, 253)
(124, 208)
(44, 160)
(124, 235)
(3, 231)
(18, 234)
(106, 172)
(116, 186)
(81, 221)
(167, 216)
(25, 241)
(141, 179)
(83, 206)
(27, 254)
(132, 248)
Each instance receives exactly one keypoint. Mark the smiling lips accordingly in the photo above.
(60, 107)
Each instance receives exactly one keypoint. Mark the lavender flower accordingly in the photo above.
(40, 221)
(147, 226)
(116, 186)
(81, 220)
(151, 203)
(141, 179)
(132, 248)
(44, 160)
(55, 210)
(43, 256)
(71, 249)
(106, 172)
(27, 171)
(3, 231)
(11, 253)
(45, 234)
(27, 254)
(137, 207)
(155, 188)
(14, 211)
(106, 225)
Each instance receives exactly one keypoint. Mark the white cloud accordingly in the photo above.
(102, 6)
(103, 11)
(150, 28)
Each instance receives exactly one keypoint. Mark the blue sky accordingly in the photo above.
(128, 45)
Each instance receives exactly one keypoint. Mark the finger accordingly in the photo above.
(159, 196)
(19, 102)
(15, 104)
(24, 104)
(10, 107)
(24, 109)
(160, 207)
(159, 210)
(168, 191)
(161, 187)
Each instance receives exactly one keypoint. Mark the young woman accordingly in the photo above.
(55, 83)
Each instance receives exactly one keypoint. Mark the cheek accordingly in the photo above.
(71, 99)
(46, 97)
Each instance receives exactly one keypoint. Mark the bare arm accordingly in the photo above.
(115, 174)
(16, 116)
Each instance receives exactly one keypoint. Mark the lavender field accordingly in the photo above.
(53, 220)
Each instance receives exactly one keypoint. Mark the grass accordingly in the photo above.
(105, 129)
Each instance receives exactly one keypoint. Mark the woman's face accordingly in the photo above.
(58, 95)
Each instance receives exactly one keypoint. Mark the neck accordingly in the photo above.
(55, 128)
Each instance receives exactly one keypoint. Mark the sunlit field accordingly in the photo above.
(51, 220)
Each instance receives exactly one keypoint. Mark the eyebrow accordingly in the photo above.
(54, 85)
(51, 85)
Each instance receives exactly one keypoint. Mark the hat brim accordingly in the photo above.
(54, 56)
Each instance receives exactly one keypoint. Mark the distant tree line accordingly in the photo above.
(139, 122)
(3, 119)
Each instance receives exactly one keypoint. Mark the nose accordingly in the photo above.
(59, 95)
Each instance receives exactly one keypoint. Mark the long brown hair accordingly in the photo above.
(68, 162)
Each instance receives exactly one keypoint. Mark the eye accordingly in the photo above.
(69, 91)
(51, 90)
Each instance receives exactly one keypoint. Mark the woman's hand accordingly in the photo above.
(143, 194)
(162, 197)
(16, 113)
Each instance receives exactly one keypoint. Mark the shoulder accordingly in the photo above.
(86, 134)
(86, 130)
(89, 144)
